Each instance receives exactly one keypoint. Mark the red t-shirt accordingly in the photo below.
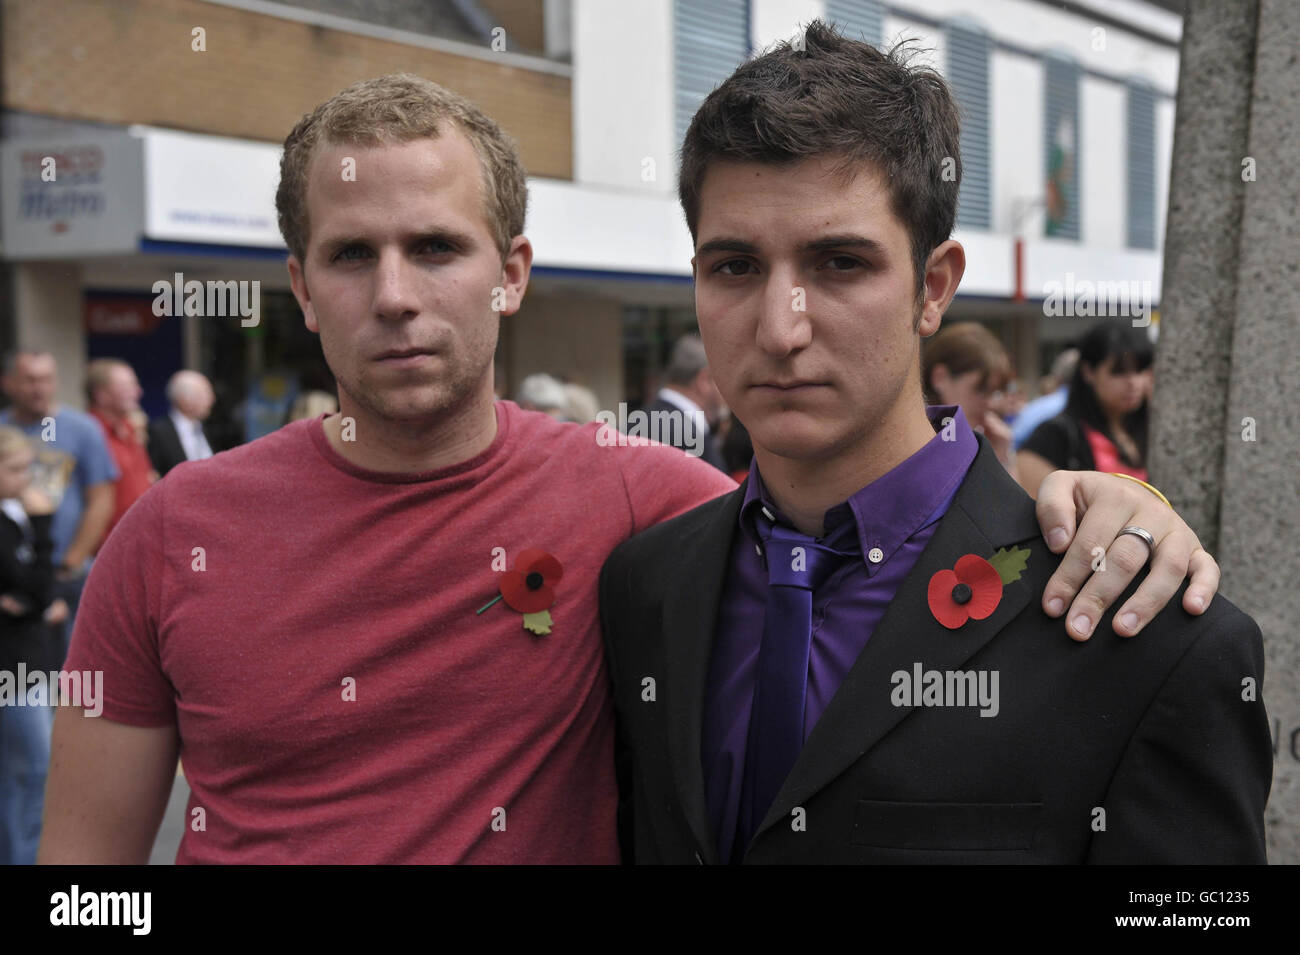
(246, 597)
(132, 460)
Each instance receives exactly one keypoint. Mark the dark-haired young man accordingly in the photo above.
(843, 660)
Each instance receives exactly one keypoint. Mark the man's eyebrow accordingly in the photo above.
(450, 236)
(727, 245)
(844, 241)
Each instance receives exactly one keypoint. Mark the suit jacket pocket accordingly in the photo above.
(945, 825)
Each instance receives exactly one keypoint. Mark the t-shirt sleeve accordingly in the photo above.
(117, 619)
(663, 482)
(1049, 441)
(95, 460)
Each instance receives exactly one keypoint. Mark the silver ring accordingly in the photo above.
(1139, 532)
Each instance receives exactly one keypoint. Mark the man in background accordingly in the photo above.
(544, 393)
(72, 475)
(690, 396)
(72, 466)
(113, 397)
(180, 436)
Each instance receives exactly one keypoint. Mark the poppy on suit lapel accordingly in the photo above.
(972, 590)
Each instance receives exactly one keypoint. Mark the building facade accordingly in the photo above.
(141, 145)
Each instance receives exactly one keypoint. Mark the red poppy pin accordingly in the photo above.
(530, 588)
(972, 590)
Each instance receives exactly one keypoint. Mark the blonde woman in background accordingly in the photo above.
(28, 610)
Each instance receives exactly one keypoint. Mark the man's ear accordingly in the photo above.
(298, 282)
(943, 272)
(515, 270)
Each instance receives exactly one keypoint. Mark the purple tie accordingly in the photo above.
(796, 566)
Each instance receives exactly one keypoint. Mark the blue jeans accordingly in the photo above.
(25, 754)
(70, 590)
(24, 762)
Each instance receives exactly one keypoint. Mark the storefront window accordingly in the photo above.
(258, 371)
(648, 336)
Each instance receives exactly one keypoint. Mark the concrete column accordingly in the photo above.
(1228, 366)
(577, 338)
(48, 317)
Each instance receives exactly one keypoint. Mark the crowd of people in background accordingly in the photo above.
(564, 401)
(66, 478)
(1090, 413)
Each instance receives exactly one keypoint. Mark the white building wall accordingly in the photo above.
(1103, 176)
(773, 20)
(623, 95)
(929, 51)
(1016, 127)
(1039, 26)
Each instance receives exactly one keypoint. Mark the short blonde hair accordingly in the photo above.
(12, 441)
(98, 374)
(399, 108)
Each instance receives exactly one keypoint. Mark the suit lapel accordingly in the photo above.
(986, 513)
(178, 446)
(689, 616)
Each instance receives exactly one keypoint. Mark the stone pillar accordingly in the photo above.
(48, 317)
(1227, 395)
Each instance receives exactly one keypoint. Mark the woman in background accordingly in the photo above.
(964, 364)
(27, 611)
(1104, 424)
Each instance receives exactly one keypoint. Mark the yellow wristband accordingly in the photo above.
(1129, 477)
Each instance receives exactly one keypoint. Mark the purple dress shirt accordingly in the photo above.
(896, 515)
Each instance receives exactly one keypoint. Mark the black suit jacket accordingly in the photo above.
(684, 438)
(165, 449)
(27, 575)
(1113, 750)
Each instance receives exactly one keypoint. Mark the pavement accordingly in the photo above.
(173, 824)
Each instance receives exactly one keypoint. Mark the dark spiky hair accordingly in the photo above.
(827, 95)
